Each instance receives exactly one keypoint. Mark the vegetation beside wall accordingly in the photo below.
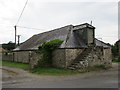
(50, 70)
(0, 62)
(39, 71)
(53, 71)
(46, 49)
(115, 60)
(15, 64)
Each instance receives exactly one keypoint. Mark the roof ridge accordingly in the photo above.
(54, 29)
(67, 37)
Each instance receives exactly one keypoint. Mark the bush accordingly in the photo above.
(46, 49)
(50, 45)
(115, 50)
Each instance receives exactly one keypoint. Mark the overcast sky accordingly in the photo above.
(50, 15)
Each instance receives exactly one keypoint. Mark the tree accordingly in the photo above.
(115, 50)
(9, 46)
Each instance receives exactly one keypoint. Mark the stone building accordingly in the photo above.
(79, 49)
(118, 47)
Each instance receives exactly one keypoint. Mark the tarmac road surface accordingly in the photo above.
(18, 78)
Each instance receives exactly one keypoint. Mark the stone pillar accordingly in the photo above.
(34, 59)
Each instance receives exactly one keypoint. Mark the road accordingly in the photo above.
(18, 78)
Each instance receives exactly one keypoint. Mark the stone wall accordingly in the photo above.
(22, 56)
(71, 54)
(99, 56)
(95, 57)
(7, 56)
(107, 56)
(59, 58)
(34, 58)
(63, 58)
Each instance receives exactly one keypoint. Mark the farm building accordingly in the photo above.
(79, 49)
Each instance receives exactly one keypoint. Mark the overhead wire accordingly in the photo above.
(30, 28)
(21, 16)
(22, 12)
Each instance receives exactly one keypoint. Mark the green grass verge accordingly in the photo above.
(115, 60)
(53, 71)
(15, 64)
(49, 70)
(0, 62)
(41, 70)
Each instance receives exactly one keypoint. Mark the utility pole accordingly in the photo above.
(91, 22)
(15, 33)
(18, 39)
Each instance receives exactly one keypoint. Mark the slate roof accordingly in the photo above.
(70, 40)
(101, 43)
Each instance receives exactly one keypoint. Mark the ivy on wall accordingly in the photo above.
(46, 49)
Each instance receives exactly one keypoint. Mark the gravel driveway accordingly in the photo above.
(18, 78)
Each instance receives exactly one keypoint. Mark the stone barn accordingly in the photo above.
(80, 48)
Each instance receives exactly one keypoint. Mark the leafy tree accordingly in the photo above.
(115, 50)
(9, 46)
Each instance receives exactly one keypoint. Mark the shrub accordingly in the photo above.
(50, 45)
